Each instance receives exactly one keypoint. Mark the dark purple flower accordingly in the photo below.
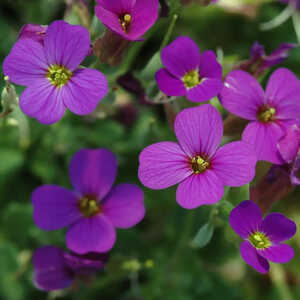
(201, 169)
(33, 31)
(270, 113)
(289, 149)
(95, 208)
(189, 73)
(128, 18)
(259, 62)
(51, 74)
(262, 237)
(55, 269)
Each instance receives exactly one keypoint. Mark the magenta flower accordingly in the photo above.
(55, 269)
(289, 149)
(270, 113)
(201, 169)
(262, 237)
(94, 209)
(128, 18)
(189, 73)
(51, 74)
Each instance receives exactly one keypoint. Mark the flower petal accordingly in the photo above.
(163, 165)
(124, 205)
(117, 6)
(278, 228)
(49, 269)
(283, 90)
(235, 163)
(181, 56)
(169, 84)
(253, 259)
(110, 19)
(206, 90)
(84, 91)
(26, 62)
(144, 15)
(289, 145)
(245, 218)
(295, 173)
(54, 207)
(66, 45)
(199, 130)
(94, 234)
(280, 253)
(43, 101)
(93, 172)
(242, 95)
(209, 66)
(199, 189)
(264, 138)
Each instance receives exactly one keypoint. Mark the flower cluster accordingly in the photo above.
(47, 61)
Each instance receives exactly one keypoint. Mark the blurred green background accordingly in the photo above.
(41, 154)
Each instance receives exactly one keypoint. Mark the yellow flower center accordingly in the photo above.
(125, 21)
(89, 206)
(58, 75)
(191, 79)
(259, 240)
(199, 164)
(267, 114)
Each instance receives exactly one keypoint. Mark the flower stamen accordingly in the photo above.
(267, 115)
(89, 207)
(125, 21)
(259, 240)
(58, 75)
(199, 164)
(191, 79)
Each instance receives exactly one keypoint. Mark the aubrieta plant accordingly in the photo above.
(200, 93)
(196, 163)
(94, 209)
(52, 76)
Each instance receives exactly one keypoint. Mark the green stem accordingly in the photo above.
(169, 32)
(277, 275)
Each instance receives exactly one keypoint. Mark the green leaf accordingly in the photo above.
(203, 236)
(238, 194)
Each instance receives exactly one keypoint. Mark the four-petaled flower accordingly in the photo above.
(270, 113)
(196, 162)
(189, 73)
(262, 237)
(128, 18)
(49, 69)
(55, 269)
(95, 208)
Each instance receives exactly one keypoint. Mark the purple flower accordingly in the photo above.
(128, 18)
(56, 269)
(260, 62)
(33, 31)
(189, 73)
(289, 149)
(270, 113)
(94, 209)
(196, 162)
(262, 237)
(51, 74)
